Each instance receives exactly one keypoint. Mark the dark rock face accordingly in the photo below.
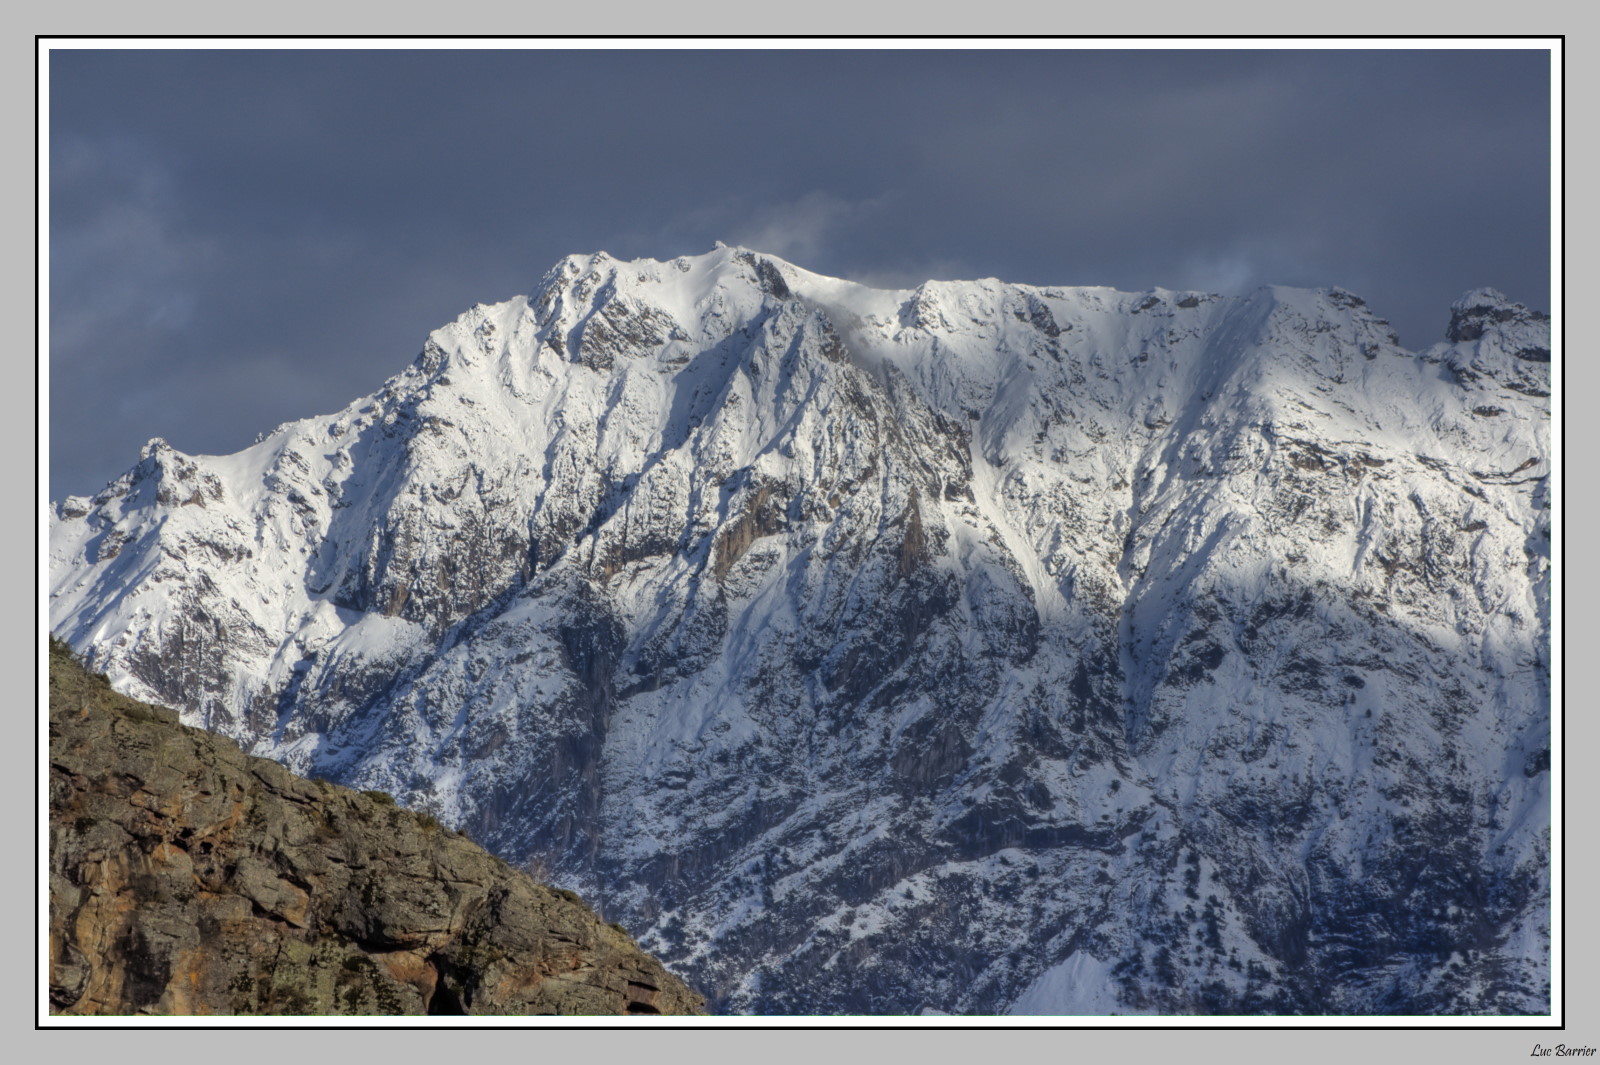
(1483, 310)
(1499, 344)
(188, 878)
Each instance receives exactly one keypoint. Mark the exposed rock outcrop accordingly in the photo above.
(189, 878)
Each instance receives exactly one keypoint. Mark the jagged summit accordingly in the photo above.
(969, 646)
(1481, 309)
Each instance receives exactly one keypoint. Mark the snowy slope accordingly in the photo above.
(954, 648)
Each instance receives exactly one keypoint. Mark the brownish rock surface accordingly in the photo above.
(189, 878)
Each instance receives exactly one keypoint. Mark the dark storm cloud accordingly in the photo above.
(239, 238)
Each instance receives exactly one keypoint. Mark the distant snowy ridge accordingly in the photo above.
(952, 648)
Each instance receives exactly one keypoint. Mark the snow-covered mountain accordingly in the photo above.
(972, 648)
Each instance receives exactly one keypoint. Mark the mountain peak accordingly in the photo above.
(1482, 309)
(1043, 634)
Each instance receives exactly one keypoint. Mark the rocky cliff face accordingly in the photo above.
(189, 878)
(977, 647)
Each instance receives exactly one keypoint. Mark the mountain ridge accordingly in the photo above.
(718, 570)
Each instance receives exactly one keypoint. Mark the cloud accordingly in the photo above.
(1225, 273)
(118, 247)
(803, 229)
(812, 230)
(308, 208)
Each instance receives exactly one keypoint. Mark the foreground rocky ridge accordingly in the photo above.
(974, 647)
(188, 878)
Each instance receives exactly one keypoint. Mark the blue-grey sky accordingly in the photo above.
(238, 238)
